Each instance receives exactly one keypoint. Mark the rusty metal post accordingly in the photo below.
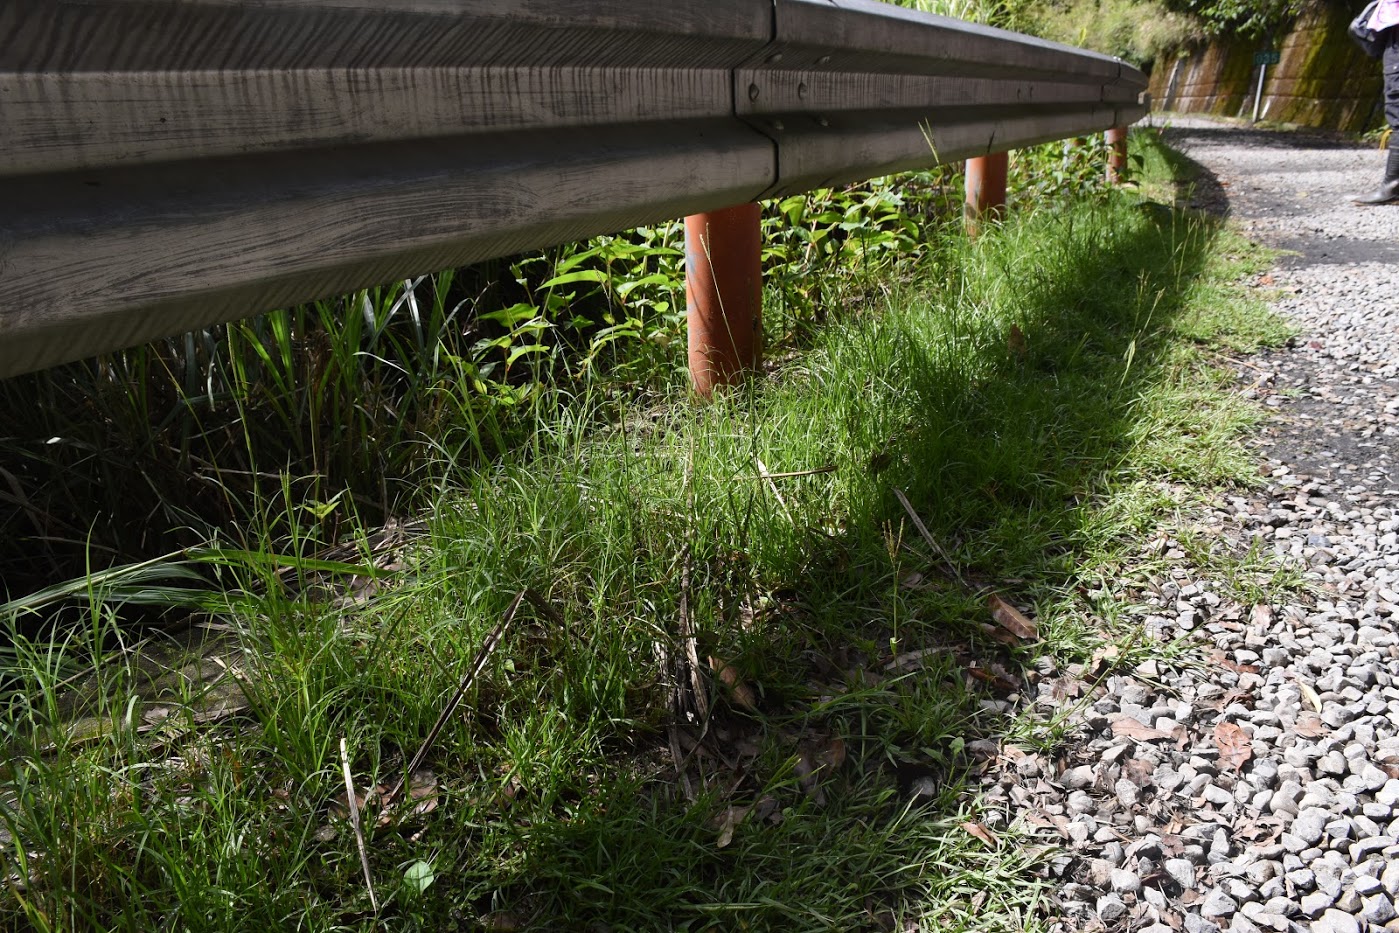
(986, 189)
(724, 295)
(1117, 154)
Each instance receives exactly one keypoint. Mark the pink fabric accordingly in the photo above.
(1385, 15)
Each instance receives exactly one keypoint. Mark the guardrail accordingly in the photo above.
(172, 164)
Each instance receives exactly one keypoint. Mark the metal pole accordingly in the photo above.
(724, 295)
(1258, 98)
(1117, 154)
(986, 189)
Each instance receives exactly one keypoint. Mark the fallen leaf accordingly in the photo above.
(1309, 726)
(1235, 747)
(910, 660)
(1000, 635)
(1012, 619)
(741, 693)
(999, 681)
(729, 821)
(982, 833)
(1015, 342)
(833, 755)
(421, 799)
(1311, 696)
(806, 778)
(1105, 658)
(1124, 725)
(1138, 771)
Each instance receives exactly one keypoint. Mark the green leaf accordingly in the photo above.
(585, 275)
(419, 877)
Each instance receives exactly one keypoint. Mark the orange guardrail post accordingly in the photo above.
(1117, 154)
(986, 188)
(724, 295)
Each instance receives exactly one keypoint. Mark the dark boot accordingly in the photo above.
(1389, 188)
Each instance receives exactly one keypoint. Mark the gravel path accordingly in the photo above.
(1252, 783)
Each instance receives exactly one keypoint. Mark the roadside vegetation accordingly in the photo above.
(733, 684)
(1139, 31)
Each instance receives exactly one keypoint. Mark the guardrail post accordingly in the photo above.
(1117, 154)
(986, 188)
(724, 295)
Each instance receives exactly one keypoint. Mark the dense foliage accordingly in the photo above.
(315, 419)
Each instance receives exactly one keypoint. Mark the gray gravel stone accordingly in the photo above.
(1335, 921)
(1124, 881)
(1378, 909)
(1182, 872)
(1218, 904)
(1316, 903)
(1110, 907)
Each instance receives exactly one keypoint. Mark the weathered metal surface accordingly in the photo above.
(986, 189)
(170, 164)
(724, 295)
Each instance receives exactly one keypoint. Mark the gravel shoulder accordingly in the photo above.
(1251, 781)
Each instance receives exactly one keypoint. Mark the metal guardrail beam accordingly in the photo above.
(171, 164)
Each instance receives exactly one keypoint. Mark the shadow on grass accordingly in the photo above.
(1023, 394)
(1019, 417)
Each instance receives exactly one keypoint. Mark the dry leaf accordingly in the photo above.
(982, 833)
(998, 634)
(1000, 681)
(740, 692)
(910, 660)
(1105, 658)
(1309, 726)
(1235, 747)
(1311, 696)
(1015, 342)
(1012, 619)
(833, 755)
(729, 820)
(806, 778)
(504, 922)
(1126, 725)
(1138, 771)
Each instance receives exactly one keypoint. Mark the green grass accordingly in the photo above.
(1047, 397)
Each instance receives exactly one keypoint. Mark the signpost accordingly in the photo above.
(1262, 60)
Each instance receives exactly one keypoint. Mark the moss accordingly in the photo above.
(1323, 80)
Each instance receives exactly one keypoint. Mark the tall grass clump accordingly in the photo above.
(741, 692)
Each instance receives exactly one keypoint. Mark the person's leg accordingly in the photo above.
(1388, 192)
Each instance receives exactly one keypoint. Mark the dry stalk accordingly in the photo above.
(353, 806)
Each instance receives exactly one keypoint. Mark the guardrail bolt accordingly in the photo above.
(986, 189)
(1117, 154)
(724, 295)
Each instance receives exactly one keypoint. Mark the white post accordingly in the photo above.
(1258, 98)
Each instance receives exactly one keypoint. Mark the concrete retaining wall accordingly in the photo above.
(1323, 80)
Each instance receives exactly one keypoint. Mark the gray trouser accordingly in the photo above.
(1391, 85)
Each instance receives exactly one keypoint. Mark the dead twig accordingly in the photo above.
(782, 503)
(353, 805)
(479, 664)
(829, 468)
(928, 537)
